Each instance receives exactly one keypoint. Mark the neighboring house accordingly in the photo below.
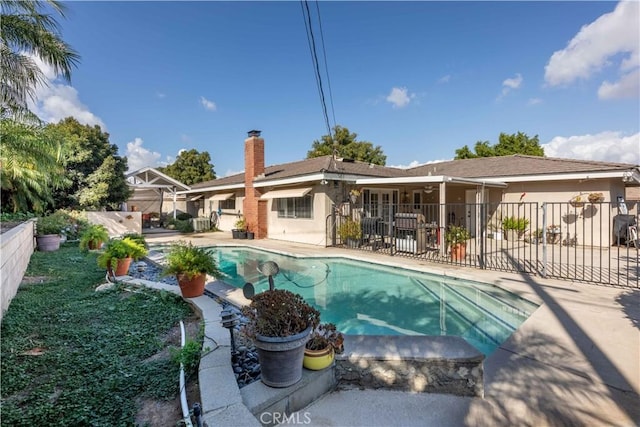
(297, 201)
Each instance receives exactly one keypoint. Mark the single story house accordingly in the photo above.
(299, 201)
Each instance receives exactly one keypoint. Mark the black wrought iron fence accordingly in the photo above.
(586, 242)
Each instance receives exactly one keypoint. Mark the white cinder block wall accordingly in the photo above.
(16, 247)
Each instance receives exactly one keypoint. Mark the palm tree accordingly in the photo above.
(31, 165)
(27, 31)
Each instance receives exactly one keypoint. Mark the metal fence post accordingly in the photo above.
(543, 273)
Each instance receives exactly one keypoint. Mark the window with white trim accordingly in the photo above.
(227, 204)
(295, 207)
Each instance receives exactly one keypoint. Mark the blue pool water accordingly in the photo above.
(368, 299)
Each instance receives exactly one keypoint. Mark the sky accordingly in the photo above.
(418, 79)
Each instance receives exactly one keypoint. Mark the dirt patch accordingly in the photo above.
(8, 225)
(30, 280)
(169, 412)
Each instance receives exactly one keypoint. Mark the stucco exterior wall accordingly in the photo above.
(16, 246)
(301, 230)
(117, 223)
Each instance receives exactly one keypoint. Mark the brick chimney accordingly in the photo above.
(255, 210)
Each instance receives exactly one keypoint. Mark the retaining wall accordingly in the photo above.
(16, 247)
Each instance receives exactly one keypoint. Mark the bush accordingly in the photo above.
(183, 216)
(513, 223)
(456, 235)
(96, 233)
(350, 229)
(184, 258)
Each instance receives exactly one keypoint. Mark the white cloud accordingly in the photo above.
(230, 172)
(416, 163)
(608, 146)
(399, 97)
(613, 36)
(55, 101)
(509, 84)
(444, 79)
(627, 87)
(161, 95)
(139, 157)
(208, 105)
(534, 101)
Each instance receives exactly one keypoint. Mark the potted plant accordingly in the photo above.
(279, 323)
(48, 230)
(93, 237)
(350, 233)
(457, 237)
(553, 234)
(324, 342)
(354, 194)
(240, 231)
(595, 197)
(514, 227)
(577, 201)
(190, 264)
(118, 254)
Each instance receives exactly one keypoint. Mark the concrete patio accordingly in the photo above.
(575, 361)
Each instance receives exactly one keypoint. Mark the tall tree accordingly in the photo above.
(93, 166)
(517, 143)
(31, 167)
(344, 144)
(191, 167)
(27, 30)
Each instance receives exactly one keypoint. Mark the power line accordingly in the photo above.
(314, 58)
(326, 65)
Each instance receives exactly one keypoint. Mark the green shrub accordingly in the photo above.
(513, 223)
(350, 229)
(183, 216)
(184, 258)
(96, 233)
(117, 249)
(456, 235)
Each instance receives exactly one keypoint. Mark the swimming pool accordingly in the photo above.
(368, 299)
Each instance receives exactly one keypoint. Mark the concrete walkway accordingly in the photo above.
(575, 361)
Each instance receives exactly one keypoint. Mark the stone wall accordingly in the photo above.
(438, 364)
(16, 246)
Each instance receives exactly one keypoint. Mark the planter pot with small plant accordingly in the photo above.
(93, 237)
(324, 343)
(240, 231)
(514, 227)
(279, 323)
(456, 237)
(118, 254)
(190, 264)
(350, 233)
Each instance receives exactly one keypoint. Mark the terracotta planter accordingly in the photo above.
(191, 288)
(318, 359)
(459, 251)
(122, 267)
(94, 244)
(48, 242)
(281, 358)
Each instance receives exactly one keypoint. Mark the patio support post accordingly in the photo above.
(442, 222)
(174, 201)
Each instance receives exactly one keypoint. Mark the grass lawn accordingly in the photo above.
(74, 357)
